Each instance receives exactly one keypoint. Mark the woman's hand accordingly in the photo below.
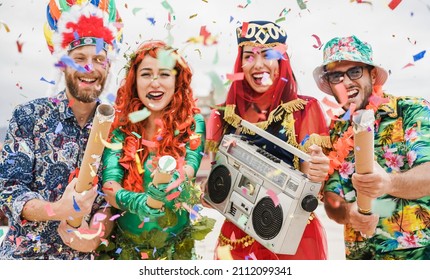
(317, 168)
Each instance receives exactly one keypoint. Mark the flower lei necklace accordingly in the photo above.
(345, 144)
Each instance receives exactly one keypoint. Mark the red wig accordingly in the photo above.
(177, 116)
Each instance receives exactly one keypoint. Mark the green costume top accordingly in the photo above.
(113, 171)
(401, 142)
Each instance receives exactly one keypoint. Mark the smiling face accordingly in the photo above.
(87, 86)
(259, 71)
(358, 90)
(155, 86)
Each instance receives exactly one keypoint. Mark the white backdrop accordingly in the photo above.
(396, 36)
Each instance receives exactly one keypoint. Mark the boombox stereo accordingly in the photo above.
(262, 195)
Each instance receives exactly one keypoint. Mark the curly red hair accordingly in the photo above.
(177, 119)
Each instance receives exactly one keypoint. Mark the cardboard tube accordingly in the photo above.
(162, 175)
(363, 124)
(102, 122)
(363, 147)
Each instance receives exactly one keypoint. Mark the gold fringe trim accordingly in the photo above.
(276, 115)
(243, 242)
(211, 146)
(284, 110)
(322, 141)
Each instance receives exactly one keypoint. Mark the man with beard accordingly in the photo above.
(399, 185)
(46, 141)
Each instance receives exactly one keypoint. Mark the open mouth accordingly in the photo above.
(87, 81)
(258, 78)
(155, 95)
(352, 93)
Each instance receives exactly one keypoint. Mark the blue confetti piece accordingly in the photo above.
(76, 35)
(347, 115)
(101, 193)
(304, 140)
(146, 219)
(75, 205)
(45, 80)
(196, 209)
(10, 161)
(99, 45)
(111, 97)
(273, 54)
(151, 20)
(137, 249)
(420, 55)
(67, 60)
(118, 251)
(59, 128)
(153, 252)
(231, 19)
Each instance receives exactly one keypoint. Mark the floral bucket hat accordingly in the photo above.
(349, 49)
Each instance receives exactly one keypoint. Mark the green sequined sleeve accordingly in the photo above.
(194, 157)
(112, 170)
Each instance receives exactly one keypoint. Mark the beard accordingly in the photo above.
(84, 94)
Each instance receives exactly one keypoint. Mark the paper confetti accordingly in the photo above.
(419, 56)
(49, 210)
(224, 253)
(319, 44)
(273, 196)
(112, 146)
(394, 3)
(235, 76)
(75, 205)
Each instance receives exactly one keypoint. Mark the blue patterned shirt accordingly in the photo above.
(43, 146)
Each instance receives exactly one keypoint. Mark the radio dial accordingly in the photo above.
(309, 203)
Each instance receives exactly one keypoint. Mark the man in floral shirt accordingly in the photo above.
(46, 140)
(398, 226)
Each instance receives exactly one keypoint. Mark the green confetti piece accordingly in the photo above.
(135, 134)
(139, 116)
(165, 59)
(135, 11)
(383, 207)
(216, 83)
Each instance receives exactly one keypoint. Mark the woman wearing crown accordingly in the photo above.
(267, 97)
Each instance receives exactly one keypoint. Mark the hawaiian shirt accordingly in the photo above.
(401, 142)
(44, 144)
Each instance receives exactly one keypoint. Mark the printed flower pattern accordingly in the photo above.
(401, 142)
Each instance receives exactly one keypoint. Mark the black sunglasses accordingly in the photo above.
(353, 73)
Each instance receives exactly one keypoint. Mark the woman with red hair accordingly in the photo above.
(156, 117)
(267, 97)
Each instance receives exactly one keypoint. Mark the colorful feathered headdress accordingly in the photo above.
(74, 23)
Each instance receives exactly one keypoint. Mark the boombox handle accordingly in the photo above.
(275, 140)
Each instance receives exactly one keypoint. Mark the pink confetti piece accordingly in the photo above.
(342, 93)
(173, 196)
(114, 217)
(408, 65)
(143, 255)
(236, 76)
(319, 44)
(252, 255)
(98, 217)
(18, 241)
(149, 144)
(329, 103)
(233, 237)
(273, 196)
(49, 210)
